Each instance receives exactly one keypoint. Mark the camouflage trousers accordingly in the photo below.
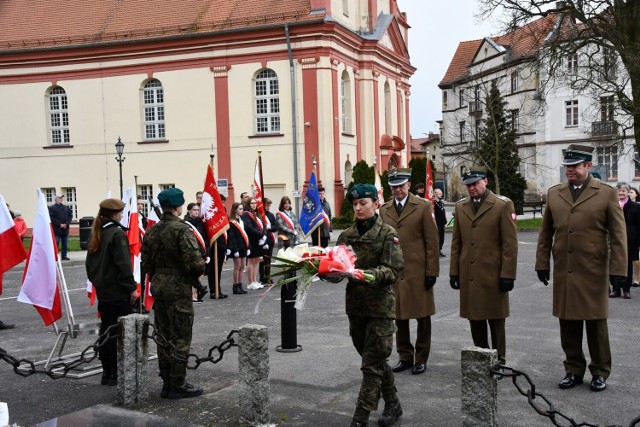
(373, 339)
(174, 321)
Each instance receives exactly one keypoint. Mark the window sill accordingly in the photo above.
(154, 141)
(47, 147)
(349, 135)
(570, 126)
(266, 135)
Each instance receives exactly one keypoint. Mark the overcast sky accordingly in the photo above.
(436, 29)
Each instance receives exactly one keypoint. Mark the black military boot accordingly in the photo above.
(183, 391)
(242, 291)
(392, 411)
(164, 393)
(236, 289)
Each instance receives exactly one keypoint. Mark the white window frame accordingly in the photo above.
(345, 103)
(515, 120)
(607, 108)
(58, 108)
(572, 63)
(166, 186)
(71, 200)
(49, 195)
(153, 111)
(461, 127)
(571, 113)
(266, 91)
(145, 191)
(608, 156)
(461, 98)
(515, 82)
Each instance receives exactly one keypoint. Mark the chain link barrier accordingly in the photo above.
(214, 355)
(60, 369)
(556, 417)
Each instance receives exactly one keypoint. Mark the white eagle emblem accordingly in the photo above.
(207, 209)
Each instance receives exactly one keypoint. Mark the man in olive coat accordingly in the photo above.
(412, 217)
(484, 257)
(583, 226)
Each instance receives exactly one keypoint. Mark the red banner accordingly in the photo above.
(212, 211)
(429, 184)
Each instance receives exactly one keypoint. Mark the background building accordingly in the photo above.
(295, 78)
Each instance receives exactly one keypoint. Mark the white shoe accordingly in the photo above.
(254, 285)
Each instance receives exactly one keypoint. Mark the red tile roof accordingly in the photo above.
(46, 23)
(521, 43)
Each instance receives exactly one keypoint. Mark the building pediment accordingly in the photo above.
(389, 36)
(488, 49)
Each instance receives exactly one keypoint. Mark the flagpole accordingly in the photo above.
(135, 191)
(214, 251)
(315, 163)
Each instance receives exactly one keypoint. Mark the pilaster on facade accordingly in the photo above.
(223, 123)
(220, 70)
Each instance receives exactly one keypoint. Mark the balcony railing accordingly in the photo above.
(475, 107)
(604, 129)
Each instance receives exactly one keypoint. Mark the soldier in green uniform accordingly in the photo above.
(371, 307)
(171, 257)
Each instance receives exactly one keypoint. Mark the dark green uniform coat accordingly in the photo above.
(484, 248)
(378, 252)
(420, 250)
(588, 242)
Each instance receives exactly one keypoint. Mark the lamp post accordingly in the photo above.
(120, 159)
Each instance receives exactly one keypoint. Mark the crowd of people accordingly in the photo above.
(399, 245)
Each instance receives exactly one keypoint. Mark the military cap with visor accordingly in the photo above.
(576, 154)
(474, 175)
(399, 176)
(362, 191)
(172, 197)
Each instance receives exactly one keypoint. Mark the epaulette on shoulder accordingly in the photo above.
(463, 200)
(504, 198)
(557, 185)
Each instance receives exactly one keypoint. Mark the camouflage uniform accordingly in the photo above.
(371, 308)
(172, 258)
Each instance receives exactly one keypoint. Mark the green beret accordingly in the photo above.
(172, 197)
(114, 205)
(362, 191)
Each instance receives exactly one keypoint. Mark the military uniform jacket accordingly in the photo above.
(109, 269)
(588, 241)
(378, 252)
(484, 248)
(421, 251)
(171, 256)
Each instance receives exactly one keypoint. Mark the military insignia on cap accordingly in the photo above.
(576, 154)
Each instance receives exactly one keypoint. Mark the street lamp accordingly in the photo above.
(120, 159)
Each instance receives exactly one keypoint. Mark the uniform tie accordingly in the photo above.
(398, 208)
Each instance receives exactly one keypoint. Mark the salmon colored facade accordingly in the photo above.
(297, 79)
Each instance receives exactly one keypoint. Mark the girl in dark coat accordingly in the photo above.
(257, 233)
(631, 211)
(237, 246)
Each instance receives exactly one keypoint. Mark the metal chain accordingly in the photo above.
(550, 412)
(214, 355)
(25, 367)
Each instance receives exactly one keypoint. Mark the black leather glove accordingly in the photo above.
(429, 281)
(543, 276)
(505, 285)
(454, 281)
(617, 281)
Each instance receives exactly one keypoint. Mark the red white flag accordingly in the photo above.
(135, 242)
(148, 298)
(11, 248)
(258, 191)
(40, 280)
(91, 293)
(212, 212)
(429, 183)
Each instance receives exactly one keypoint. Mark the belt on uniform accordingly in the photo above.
(173, 271)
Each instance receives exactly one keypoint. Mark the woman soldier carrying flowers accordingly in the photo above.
(371, 304)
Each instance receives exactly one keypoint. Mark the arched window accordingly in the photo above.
(345, 102)
(267, 96)
(153, 104)
(387, 108)
(348, 173)
(59, 117)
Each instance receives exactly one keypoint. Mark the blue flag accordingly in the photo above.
(311, 215)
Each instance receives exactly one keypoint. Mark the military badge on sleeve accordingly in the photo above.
(513, 216)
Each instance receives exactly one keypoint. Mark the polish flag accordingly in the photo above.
(429, 183)
(212, 212)
(148, 298)
(40, 280)
(11, 248)
(91, 293)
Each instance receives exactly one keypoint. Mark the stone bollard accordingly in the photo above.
(133, 353)
(479, 387)
(253, 364)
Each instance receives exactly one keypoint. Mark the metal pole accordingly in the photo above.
(294, 128)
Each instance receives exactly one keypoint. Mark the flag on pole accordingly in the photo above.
(12, 250)
(378, 185)
(40, 280)
(429, 183)
(91, 293)
(258, 195)
(311, 216)
(212, 210)
(134, 237)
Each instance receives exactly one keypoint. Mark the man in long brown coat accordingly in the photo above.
(412, 217)
(484, 257)
(583, 227)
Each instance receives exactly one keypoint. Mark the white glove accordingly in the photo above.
(248, 252)
(228, 252)
(265, 247)
(295, 232)
(236, 254)
(207, 260)
(262, 241)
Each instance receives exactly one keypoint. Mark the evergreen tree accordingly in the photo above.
(361, 174)
(498, 151)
